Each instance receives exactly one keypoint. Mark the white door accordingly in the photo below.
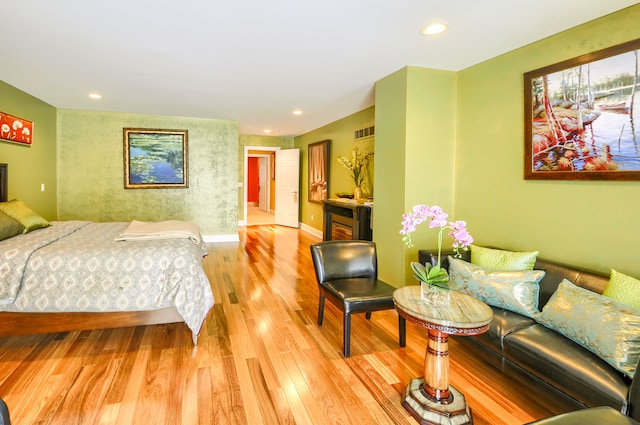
(287, 187)
(263, 197)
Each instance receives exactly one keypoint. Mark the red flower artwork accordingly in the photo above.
(15, 129)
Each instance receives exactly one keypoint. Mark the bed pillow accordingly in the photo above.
(603, 326)
(9, 227)
(20, 212)
(516, 291)
(623, 288)
(498, 259)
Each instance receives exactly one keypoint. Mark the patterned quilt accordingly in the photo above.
(76, 266)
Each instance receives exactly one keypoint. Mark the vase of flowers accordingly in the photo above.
(358, 166)
(434, 279)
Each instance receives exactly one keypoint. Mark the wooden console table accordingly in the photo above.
(431, 400)
(346, 220)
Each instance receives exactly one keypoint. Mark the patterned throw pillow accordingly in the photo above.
(498, 259)
(20, 212)
(9, 227)
(603, 326)
(623, 288)
(516, 291)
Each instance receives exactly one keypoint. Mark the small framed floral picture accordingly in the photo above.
(14, 129)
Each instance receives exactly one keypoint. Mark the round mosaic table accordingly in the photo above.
(431, 400)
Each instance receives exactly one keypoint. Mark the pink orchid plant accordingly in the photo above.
(428, 273)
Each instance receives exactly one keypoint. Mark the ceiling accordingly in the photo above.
(255, 61)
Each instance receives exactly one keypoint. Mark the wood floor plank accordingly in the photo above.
(261, 359)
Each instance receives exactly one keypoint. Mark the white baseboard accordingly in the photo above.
(312, 230)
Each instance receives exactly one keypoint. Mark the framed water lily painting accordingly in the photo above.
(155, 159)
(582, 117)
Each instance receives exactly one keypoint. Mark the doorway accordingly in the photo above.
(259, 185)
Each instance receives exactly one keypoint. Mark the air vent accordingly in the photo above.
(363, 133)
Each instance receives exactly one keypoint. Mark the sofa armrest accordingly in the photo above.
(633, 409)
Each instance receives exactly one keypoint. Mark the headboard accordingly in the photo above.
(3, 182)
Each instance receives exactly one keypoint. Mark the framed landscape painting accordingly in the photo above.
(155, 158)
(582, 117)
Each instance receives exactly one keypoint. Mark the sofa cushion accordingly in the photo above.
(498, 259)
(516, 291)
(504, 322)
(623, 288)
(566, 366)
(606, 327)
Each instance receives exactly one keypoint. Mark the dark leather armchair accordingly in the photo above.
(347, 275)
(4, 413)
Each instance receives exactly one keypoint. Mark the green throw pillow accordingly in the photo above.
(516, 291)
(623, 288)
(498, 259)
(607, 328)
(9, 227)
(20, 212)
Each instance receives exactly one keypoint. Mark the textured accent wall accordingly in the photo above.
(91, 177)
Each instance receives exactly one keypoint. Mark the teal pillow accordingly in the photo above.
(9, 227)
(498, 259)
(607, 328)
(20, 212)
(516, 291)
(623, 288)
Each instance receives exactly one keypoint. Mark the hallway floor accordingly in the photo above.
(257, 217)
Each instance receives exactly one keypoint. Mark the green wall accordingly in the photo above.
(585, 223)
(90, 172)
(415, 146)
(342, 143)
(31, 166)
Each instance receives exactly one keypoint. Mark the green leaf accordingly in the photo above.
(419, 271)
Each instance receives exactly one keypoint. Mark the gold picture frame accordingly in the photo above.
(155, 159)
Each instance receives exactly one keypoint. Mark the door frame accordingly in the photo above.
(267, 150)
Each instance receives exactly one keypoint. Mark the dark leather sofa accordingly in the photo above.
(546, 360)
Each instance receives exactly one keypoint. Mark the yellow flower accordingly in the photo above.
(357, 165)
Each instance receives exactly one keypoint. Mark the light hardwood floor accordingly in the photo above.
(261, 359)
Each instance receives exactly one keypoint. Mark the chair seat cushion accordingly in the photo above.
(360, 294)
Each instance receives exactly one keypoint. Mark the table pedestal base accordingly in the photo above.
(428, 411)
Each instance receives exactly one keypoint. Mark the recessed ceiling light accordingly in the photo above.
(297, 112)
(433, 29)
(95, 95)
(266, 130)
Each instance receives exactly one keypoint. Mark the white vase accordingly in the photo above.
(434, 295)
(357, 193)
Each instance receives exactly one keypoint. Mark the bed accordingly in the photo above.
(74, 275)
